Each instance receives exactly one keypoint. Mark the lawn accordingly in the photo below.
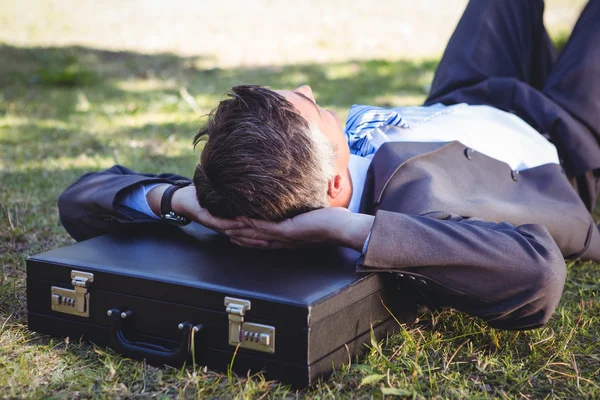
(66, 110)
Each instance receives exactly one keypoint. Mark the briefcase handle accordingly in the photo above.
(154, 352)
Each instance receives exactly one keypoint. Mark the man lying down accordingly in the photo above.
(477, 196)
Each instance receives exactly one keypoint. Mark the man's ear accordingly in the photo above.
(336, 184)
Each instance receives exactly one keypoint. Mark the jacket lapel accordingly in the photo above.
(389, 158)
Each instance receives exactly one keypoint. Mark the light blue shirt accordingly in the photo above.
(135, 199)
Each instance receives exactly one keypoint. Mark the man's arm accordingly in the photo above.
(90, 206)
(512, 277)
(94, 204)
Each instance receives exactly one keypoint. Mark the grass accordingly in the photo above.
(65, 111)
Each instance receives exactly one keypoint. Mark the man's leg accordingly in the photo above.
(574, 83)
(495, 38)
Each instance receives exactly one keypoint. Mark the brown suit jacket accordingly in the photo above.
(472, 234)
(459, 228)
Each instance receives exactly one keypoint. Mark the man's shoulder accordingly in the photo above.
(397, 153)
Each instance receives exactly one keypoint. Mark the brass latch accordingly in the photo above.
(247, 334)
(74, 301)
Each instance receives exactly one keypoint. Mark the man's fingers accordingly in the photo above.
(221, 224)
(244, 220)
(280, 245)
(238, 243)
(273, 228)
(256, 244)
(251, 233)
(260, 244)
(250, 242)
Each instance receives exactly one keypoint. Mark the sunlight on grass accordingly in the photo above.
(296, 78)
(145, 85)
(400, 100)
(150, 121)
(66, 163)
(342, 71)
(12, 121)
(14, 127)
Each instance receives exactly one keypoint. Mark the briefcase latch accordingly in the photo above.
(74, 301)
(247, 334)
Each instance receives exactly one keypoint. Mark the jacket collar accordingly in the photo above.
(390, 157)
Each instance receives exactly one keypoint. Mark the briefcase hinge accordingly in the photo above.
(74, 301)
(247, 334)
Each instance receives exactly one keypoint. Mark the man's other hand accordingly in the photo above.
(184, 202)
(327, 226)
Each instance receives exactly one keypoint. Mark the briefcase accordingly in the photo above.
(293, 315)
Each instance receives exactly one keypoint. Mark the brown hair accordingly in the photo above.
(261, 159)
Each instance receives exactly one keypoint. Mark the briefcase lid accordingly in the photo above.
(300, 287)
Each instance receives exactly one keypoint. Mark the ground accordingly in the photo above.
(88, 84)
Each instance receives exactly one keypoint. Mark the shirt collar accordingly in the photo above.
(358, 167)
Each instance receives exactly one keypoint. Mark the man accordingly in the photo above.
(467, 203)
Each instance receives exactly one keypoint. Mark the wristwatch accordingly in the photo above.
(166, 212)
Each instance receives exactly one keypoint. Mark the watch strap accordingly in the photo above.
(166, 211)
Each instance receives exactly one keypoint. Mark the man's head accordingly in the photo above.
(271, 155)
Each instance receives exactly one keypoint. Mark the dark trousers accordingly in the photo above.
(500, 55)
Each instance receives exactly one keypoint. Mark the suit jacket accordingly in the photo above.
(460, 229)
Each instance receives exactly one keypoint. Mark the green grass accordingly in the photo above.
(66, 111)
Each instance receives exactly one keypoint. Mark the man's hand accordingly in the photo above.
(327, 226)
(184, 202)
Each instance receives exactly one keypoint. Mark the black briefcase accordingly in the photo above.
(295, 315)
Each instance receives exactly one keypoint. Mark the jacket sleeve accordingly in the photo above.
(90, 206)
(511, 277)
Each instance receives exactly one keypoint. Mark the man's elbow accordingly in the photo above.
(63, 215)
(549, 286)
(69, 207)
(540, 297)
(63, 206)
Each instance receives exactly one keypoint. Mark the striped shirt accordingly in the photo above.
(363, 119)
(488, 130)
